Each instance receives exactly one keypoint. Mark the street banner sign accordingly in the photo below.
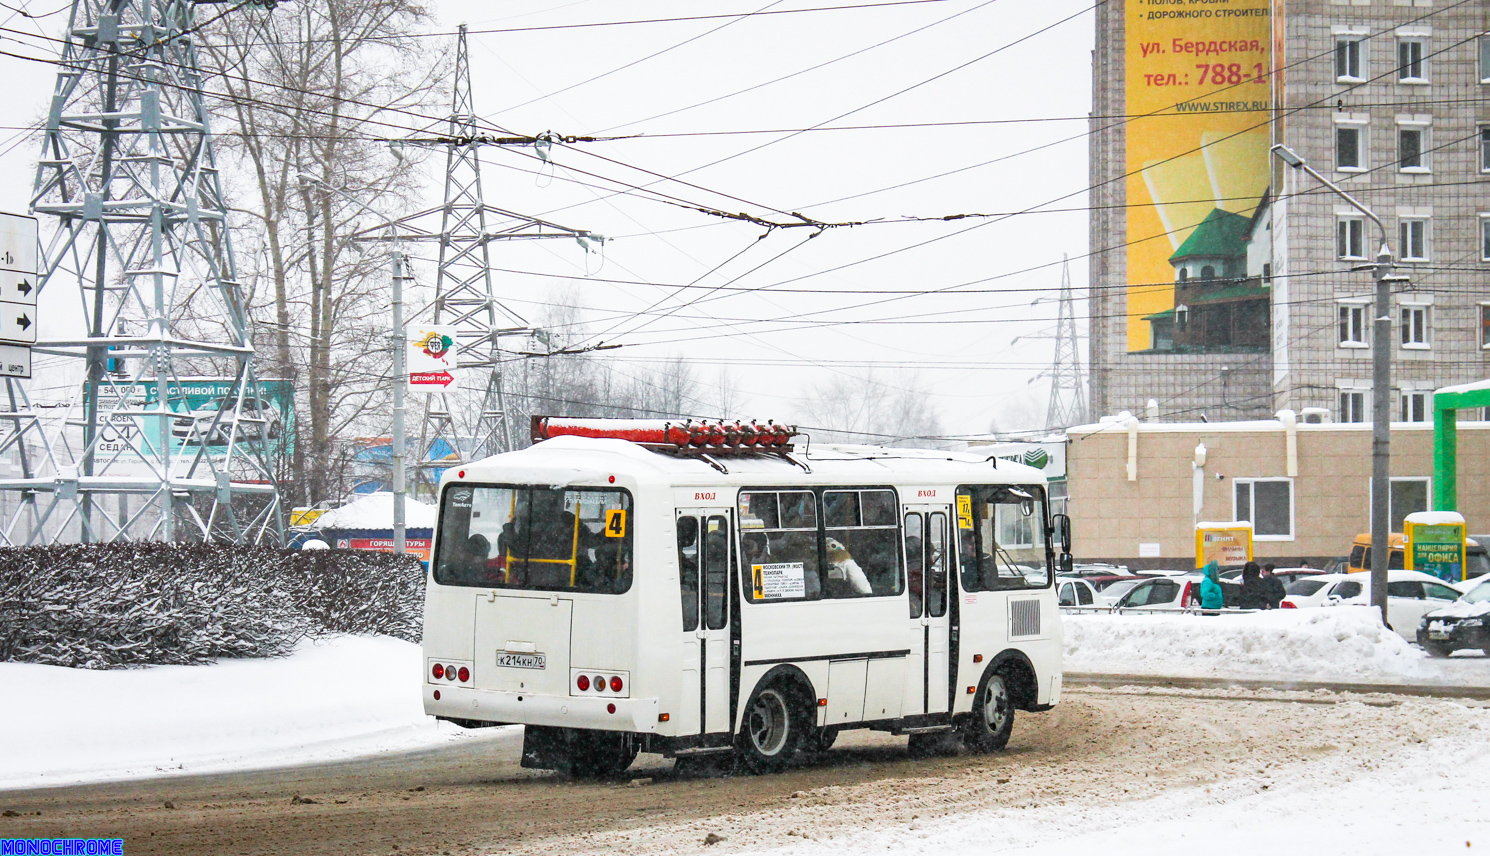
(1436, 544)
(432, 357)
(18, 288)
(1223, 543)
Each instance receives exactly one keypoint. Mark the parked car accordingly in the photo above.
(1410, 595)
(1287, 575)
(257, 420)
(1166, 593)
(1112, 587)
(1462, 624)
(1077, 592)
(1476, 558)
(1097, 569)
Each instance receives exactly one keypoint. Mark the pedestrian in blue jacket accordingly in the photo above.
(1211, 596)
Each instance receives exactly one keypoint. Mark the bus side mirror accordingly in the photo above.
(1066, 563)
(1061, 523)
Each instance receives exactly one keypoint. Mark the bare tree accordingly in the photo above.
(868, 409)
(308, 86)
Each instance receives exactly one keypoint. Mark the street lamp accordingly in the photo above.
(400, 371)
(1381, 384)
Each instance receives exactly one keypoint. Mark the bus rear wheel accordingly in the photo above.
(774, 727)
(988, 727)
(600, 754)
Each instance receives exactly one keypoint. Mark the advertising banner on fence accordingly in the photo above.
(1198, 89)
(432, 350)
(127, 429)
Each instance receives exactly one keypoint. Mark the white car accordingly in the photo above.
(1079, 595)
(1174, 593)
(1410, 595)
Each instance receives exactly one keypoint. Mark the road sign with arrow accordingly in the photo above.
(18, 292)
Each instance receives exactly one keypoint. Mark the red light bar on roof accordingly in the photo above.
(702, 436)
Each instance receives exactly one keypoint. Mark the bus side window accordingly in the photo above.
(716, 566)
(688, 570)
(914, 561)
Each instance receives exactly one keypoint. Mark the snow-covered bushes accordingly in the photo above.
(100, 606)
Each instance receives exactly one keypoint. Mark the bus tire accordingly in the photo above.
(600, 754)
(775, 724)
(988, 727)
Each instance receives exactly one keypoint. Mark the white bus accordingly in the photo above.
(628, 586)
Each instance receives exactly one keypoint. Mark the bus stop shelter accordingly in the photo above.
(1447, 402)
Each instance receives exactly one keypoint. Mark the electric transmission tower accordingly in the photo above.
(167, 435)
(469, 423)
(1067, 399)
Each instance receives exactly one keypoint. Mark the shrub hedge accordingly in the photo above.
(104, 606)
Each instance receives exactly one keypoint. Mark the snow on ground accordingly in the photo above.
(1326, 644)
(1422, 798)
(332, 698)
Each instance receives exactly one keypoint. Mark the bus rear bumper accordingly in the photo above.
(636, 715)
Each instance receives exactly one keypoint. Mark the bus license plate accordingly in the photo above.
(520, 661)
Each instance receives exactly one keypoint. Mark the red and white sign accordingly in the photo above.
(432, 350)
(413, 546)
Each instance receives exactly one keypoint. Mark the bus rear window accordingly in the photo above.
(535, 538)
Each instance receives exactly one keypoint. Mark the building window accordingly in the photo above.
(1485, 325)
(1485, 237)
(1348, 147)
(1414, 326)
(1485, 58)
(1352, 405)
(1350, 233)
(1411, 64)
(1412, 148)
(1268, 503)
(1353, 325)
(1408, 496)
(1485, 148)
(1348, 58)
(1413, 235)
(1414, 407)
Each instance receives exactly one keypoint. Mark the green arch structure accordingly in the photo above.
(1447, 403)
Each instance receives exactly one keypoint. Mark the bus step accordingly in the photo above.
(925, 729)
(703, 750)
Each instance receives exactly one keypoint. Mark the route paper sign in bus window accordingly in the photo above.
(964, 511)
(779, 581)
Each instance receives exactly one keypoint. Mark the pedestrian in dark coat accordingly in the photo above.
(1252, 594)
(1272, 588)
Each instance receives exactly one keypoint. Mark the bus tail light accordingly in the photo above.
(610, 708)
(465, 674)
(438, 671)
(1288, 604)
(583, 682)
(599, 683)
(615, 684)
(437, 695)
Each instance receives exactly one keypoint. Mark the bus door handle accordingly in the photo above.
(925, 620)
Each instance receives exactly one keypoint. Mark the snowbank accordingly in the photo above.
(333, 698)
(1342, 643)
(375, 511)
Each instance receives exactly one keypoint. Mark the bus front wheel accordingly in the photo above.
(988, 727)
(774, 727)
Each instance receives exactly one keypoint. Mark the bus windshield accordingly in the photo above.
(1002, 537)
(535, 538)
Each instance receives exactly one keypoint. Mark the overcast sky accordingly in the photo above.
(998, 92)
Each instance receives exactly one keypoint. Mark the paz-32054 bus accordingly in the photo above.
(686, 589)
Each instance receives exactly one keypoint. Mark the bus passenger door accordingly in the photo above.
(704, 564)
(926, 563)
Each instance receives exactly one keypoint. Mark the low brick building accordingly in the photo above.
(1133, 486)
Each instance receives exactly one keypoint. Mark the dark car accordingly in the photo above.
(1463, 624)
(1287, 575)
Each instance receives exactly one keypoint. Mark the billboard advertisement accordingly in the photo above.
(1198, 88)
(128, 430)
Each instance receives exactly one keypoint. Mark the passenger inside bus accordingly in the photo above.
(544, 543)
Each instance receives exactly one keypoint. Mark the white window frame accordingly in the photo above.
(1411, 250)
(1348, 74)
(1413, 319)
(1360, 146)
(1484, 57)
(1423, 130)
(1484, 236)
(1484, 321)
(1414, 402)
(1485, 148)
(1353, 389)
(1347, 227)
(1404, 68)
(1427, 490)
(1360, 310)
(1252, 504)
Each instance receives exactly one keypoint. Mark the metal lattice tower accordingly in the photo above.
(1067, 398)
(469, 423)
(128, 176)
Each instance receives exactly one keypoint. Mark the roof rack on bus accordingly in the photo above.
(689, 438)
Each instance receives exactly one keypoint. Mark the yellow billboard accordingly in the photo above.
(1198, 87)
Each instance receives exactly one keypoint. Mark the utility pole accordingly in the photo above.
(1381, 385)
(398, 338)
(129, 177)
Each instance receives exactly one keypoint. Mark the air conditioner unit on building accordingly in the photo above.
(1316, 415)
